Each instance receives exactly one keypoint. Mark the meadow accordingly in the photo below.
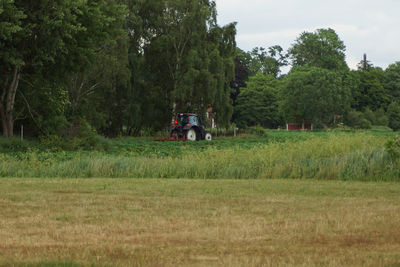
(182, 222)
(275, 199)
(317, 155)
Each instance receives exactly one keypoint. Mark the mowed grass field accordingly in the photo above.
(185, 222)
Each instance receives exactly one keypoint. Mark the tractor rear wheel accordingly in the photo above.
(191, 135)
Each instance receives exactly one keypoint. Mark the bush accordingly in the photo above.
(381, 119)
(364, 124)
(357, 120)
(257, 130)
(13, 145)
(393, 148)
(370, 116)
(394, 116)
(377, 118)
(80, 136)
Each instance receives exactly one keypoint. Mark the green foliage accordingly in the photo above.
(256, 130)
(366, 119)
(49, 41)
(381, 119)
(267, 62)
(358, 120)
(257, 104)
(391, 81)
(393, 148)
(124, 67)
(14, 144)
(329, 156)
(79, 136)
(322, 49)
(393, 113)
(189, 63)
(370, 91)
(313, 94)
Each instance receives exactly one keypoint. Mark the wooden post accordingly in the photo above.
(22, 132)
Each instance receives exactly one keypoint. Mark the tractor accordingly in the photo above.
(188, 126)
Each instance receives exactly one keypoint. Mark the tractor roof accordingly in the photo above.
(187, 114)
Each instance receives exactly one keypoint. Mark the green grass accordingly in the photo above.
(158, 222)
(325, 156)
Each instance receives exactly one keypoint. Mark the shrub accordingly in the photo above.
(393, 148)
(381, 119)
(364, 124)
(257, 130)
(13, 145)
(370, 116)
(357, 120)
(394, 116)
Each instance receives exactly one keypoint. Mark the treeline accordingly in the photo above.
(319, 88)
(115, 67)
(123, 67)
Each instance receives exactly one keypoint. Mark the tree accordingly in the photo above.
(251, 63)
(267, 62)
(322, 49)
(77, 29)
(394, 116)
(314, 94)
(365, 64)
(242, 61)
(370, 92)
(391, 81)
(188, 61)
(257, 104)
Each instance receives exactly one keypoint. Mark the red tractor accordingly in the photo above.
(188, 126)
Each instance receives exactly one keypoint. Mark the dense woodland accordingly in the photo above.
(123, 67)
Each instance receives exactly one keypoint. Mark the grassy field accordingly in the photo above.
(152, 222)
(324, 156)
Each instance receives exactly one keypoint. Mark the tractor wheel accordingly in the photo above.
(191, 135)
(208, 137)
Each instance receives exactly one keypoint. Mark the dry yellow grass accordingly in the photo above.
(129, 222)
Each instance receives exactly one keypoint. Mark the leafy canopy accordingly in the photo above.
(322, 49)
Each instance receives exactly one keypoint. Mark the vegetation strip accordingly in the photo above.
(325, 156)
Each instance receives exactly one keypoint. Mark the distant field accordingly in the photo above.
(152, 222)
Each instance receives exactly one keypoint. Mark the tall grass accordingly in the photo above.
(333, 157)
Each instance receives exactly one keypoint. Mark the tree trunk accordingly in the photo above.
(7, 102)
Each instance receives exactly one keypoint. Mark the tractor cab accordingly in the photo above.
(185, 119)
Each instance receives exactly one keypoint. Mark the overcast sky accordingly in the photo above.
(365, 26)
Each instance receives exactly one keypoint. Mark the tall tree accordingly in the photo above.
(314, 94)
(242, 62)
(268, 61)
(75, 28)
(370, 92)
(394, 116)
(322, 49)
(391, 81)
(257, 104)
(187, 61)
